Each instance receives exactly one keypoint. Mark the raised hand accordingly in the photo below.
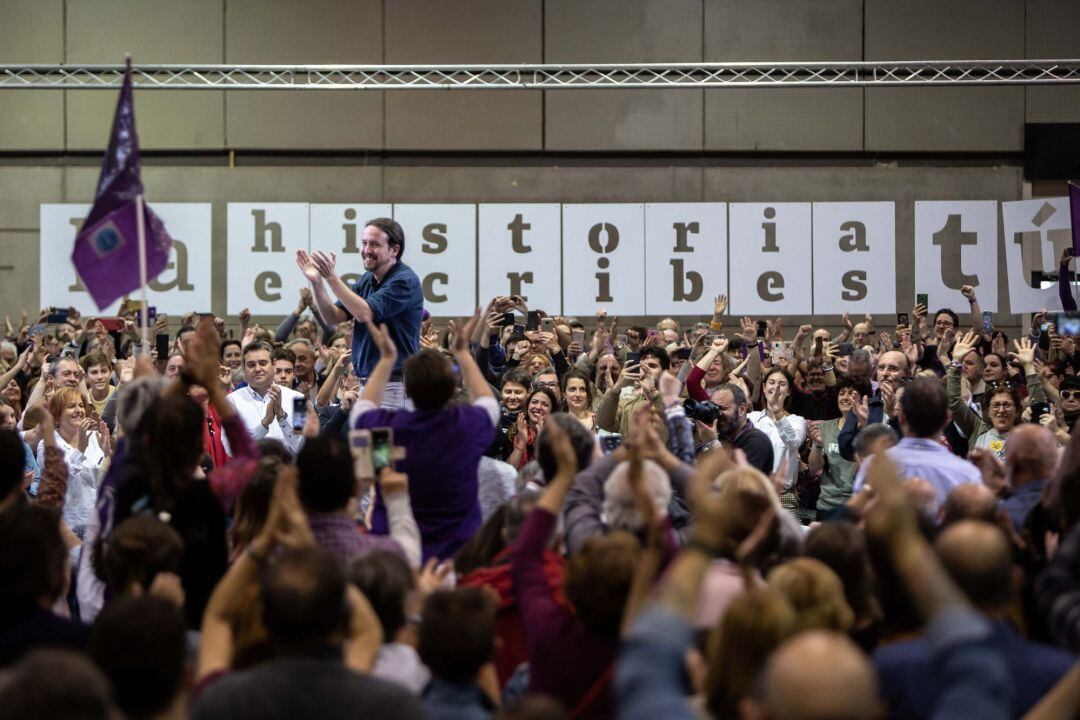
(845, 320)
(461, 339)
(964, 346)
(1025, 352)
(324, 263)
(862, 411)
(748, 327)
(201, 357)
(720, 304)
(304, 261)
(968, 292)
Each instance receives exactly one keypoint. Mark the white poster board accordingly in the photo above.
(603, 259)
(263, 239)
(770, 256)
(338, 228)
(183, 286)
(685, 257)
(1036, 231)
(955, 245)
(854, 258)
(520, 253)
(440, 246)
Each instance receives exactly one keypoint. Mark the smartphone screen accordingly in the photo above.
(507, 319)
(609, 443)
(901, 318)
(57, 316)
(37, 329)
(519, 329)
(162, 343)
(988, 321)
(762, 328)
(683, 353)
(360, 446)
(845, 349)
(578, 336)
(921, 299)
(299, 413)
(1068, 324)
(532, 320)
(1038, 410)
(382, 448)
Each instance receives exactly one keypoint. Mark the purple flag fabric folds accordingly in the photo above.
(106, 253)
(1074, 211)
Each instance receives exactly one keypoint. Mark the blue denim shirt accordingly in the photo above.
(397, 302)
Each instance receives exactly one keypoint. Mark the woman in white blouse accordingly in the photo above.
(786, 431)
(82, 441)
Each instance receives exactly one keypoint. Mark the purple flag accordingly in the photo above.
(1074, 210)
(106, 253)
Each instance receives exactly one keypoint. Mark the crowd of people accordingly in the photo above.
(366, 513)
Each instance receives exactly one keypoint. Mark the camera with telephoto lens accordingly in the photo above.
(705, 411)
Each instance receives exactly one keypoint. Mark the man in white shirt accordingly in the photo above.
(265, 408)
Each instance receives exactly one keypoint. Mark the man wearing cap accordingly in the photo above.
(387, 294)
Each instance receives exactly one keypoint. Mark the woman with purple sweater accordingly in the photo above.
(571, 653)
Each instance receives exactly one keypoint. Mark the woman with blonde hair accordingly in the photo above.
(85, 444)
(816, 594)
(755, 624)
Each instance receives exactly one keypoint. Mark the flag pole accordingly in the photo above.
(140, 224)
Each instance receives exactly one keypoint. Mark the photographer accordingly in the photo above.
(723, 419)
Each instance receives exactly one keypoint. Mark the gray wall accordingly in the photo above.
(984, 119)
(49, 138)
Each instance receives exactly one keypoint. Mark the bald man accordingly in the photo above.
(978, 557)
(969, 502)
(1031, 454)
(817, 674)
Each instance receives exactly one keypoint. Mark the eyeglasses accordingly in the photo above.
(549, 385)
(1070, 394)
(1002, 406)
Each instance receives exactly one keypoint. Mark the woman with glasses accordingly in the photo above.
(1003, 404)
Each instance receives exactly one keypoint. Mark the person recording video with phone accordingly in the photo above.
(388, 293)
(442, 441)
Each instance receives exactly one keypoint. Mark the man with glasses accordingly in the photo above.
(1070, 401)
(548, 378)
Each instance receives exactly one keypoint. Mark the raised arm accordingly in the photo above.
(380, 374)
(471, 376)
(1068, 303)
(965, 418)
(976, 312)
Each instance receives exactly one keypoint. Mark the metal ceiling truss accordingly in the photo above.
(544, 77)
